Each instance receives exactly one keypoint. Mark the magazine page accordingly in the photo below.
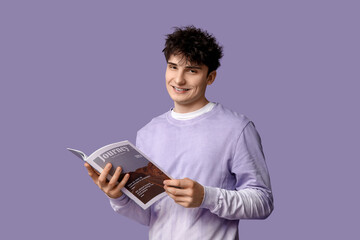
(78, 153)
(145, 185)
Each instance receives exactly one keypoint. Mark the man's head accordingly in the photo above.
(192, 57)
(195, 45)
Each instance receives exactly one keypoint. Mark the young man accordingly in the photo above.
(214, 154)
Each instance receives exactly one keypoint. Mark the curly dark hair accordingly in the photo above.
(196, 45)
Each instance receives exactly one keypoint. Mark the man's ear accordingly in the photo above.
(211, 77)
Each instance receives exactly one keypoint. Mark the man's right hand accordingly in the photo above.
(111, 188)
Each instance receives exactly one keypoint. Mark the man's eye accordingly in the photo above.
(192, 71)
(172, 67)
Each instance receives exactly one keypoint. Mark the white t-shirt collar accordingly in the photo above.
(187, 116)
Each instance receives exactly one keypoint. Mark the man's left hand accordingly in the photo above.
(185, 192)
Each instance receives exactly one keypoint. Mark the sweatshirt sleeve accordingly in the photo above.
(128, 208)
(252, 197)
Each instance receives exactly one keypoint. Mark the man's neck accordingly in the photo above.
(191, 115)
(183, 108)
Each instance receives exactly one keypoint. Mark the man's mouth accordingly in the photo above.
(181, 89)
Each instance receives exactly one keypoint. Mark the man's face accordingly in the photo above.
(186, 83)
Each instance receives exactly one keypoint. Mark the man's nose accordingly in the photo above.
(180, 78)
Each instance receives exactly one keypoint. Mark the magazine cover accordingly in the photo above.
(145, 185)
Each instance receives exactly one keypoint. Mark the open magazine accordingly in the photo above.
(145, 185)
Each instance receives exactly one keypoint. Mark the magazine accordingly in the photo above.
(145, 185)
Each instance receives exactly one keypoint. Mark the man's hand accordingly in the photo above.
(185, 192)
(111, 188)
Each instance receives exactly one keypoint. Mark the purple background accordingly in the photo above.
(83, 74)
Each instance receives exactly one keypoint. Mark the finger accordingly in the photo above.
(178, 191)
(172, 182)
(114, 179)
(179, 200)
(122, 182)
(103, 175)
(179, 183)
(185, 204)
(88, 166)
(170, 195)
(92, 173)
(182, 200)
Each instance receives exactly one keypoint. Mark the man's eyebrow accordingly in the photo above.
(189, 66)
(196, 67)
